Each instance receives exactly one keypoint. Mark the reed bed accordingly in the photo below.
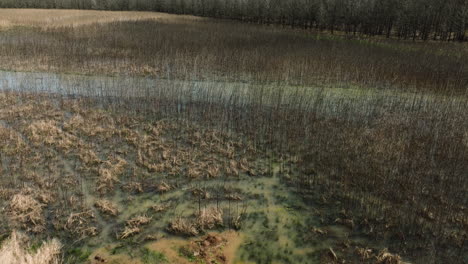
(396, 164)
(372, 131)
(230, 51)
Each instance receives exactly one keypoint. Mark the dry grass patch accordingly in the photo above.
(129, 231)
(107, 207)
(163, 187)
(91, 124)
(182, 226)
(109, 173)
(80, 224)
(160, 207)
(386, 257)
(132, 226)
(139, 220)
(209, 218)
(135, 187)
(48, 132)
(15, 251)
(46, 19)
(88, 157)
(12, 143)
(26, 212)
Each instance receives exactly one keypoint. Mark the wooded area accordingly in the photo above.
(445, 20)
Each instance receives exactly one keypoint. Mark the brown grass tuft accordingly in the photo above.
(109, 174)
(47, 132)
(160, 207)
(209, 218)
(364, 253)
(27, 212)
(107, 207)
(129, 231)
(386, 257)
(139, 220)
(163, 187)
(133, 226)
(182, 226)
(79, 223)
(134, 187)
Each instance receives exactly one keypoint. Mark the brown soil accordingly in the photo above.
(221, 247)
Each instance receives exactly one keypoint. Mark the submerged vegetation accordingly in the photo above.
(187, 48)
(254, 145)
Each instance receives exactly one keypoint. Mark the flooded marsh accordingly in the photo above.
(111, 186)
(137, 137)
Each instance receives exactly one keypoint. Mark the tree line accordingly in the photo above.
(445, 20)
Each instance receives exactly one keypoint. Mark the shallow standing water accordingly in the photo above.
(343, 101)
(276, 221)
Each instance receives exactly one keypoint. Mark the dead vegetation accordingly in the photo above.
(386, 257)
(133, 157)
(47, 18)
(209, 218)
(364, 253)
(134, 187)
(107, 207)
(206, 219)
(16, 250)
(109, 173)
(12, 141)
(47, 132)
(129, 231)
(139, 220)
(27, 212)
(132, 226)
(183, 226)
(158, 208)
(163, 187)
(66, 148)
(382, 257)
(80, 224)
(179, 52)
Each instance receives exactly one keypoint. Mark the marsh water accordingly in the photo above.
(343, 101)
(279, 224)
